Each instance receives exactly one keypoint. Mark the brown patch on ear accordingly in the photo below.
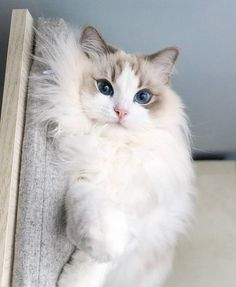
(93, 44)
(172, 51)
(164, 61)
(112, 50)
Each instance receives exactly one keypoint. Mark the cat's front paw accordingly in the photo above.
(83, 271)
(105, 239)
(108, 240)
(90, 240)
(96, 248)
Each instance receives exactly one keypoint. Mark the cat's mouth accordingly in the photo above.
(120, 123)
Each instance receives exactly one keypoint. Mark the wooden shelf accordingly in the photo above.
(11, 132)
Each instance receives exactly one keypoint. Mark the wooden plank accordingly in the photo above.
(11, 132)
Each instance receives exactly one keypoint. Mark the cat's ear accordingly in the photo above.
(93, 44)
(164, 61)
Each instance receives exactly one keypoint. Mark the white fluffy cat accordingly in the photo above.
(123, 137)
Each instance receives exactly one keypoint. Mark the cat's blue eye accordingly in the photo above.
(105, 87)
(143, 97)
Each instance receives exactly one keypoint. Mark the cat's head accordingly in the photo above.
(123, 89)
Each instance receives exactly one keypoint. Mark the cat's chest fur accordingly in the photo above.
(133, 174)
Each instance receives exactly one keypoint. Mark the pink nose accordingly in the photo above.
(121, 112)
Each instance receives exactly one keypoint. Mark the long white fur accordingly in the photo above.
(129, 190)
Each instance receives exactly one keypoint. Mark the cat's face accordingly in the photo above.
(120, 89)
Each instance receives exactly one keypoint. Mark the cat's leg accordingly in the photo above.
(94, 224)
(155, 270)
(83, 271)
(141, 268)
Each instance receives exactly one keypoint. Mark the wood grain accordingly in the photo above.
(11, 133)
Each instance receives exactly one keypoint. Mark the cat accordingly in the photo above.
(123, 138)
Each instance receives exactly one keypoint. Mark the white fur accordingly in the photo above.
(130, 185)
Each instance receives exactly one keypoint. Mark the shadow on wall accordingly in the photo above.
(214, 156)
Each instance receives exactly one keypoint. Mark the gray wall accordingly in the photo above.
(204, 30)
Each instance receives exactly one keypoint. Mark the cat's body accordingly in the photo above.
(129, 163)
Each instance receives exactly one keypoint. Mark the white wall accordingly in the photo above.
(204, 30)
